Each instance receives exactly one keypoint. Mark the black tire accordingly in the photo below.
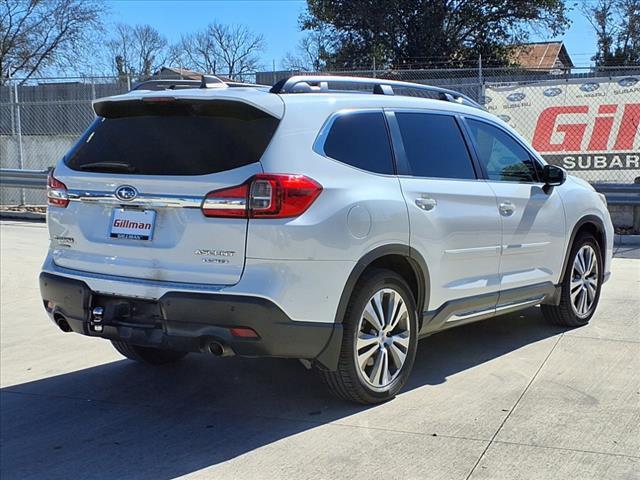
(565, 314)
(347, 382)
(148, 355)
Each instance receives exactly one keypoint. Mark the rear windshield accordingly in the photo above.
(176, 137)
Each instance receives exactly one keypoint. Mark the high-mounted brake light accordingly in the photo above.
(158, 99)
(57, 195)
(264, 196)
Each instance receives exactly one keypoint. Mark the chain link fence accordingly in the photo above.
(586, 120)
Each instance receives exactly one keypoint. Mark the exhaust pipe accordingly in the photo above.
(62, 323)
(219, 350)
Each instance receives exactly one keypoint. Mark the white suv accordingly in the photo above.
(330, 219)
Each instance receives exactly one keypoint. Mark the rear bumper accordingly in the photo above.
(191, 321)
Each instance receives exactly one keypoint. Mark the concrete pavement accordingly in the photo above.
(509, 398)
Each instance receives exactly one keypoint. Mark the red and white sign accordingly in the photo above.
(584, 125)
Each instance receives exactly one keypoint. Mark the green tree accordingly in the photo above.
(449, 32)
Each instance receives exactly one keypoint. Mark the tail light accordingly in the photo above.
(263, 196)
(56, 192)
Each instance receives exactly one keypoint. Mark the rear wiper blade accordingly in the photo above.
(109, 167)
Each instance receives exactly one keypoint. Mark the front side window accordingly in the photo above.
(360, 139)
(503, 158)
(434, 146)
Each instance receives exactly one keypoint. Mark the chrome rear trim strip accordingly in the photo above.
(142, 200)
(229, 203)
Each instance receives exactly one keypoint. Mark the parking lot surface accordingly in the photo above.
(508, 398)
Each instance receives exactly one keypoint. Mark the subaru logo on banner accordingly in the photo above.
(504, 118)
(516, 97)
(589, 87)
(486, 100)
(628, 82)
(126, 193)
(552, 92)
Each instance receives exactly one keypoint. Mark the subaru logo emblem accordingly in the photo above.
(516, 97)
(552, 92)
(628, 82)
(589, 87)
(486, 100)
(126, 193)
(504, 118)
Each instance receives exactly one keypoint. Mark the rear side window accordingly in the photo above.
(434, 146)
(173, 138)
(503, 157)
(360, 139)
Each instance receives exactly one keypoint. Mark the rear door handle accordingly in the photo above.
(507, 209)
(426, 203)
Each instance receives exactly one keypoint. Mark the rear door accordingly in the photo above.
(453, 216)
(137, 180)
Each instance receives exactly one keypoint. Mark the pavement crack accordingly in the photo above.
(526, 389)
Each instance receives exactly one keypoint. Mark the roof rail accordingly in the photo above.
(206, 81)
(380, 86)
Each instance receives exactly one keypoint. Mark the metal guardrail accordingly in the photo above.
(616, 193)
(13, 177)
(620, 193)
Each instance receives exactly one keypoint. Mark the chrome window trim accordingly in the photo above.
(457, 117)
(535, 156)
(323, 133)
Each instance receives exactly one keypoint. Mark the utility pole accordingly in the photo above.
(18, 129)
(480, 80)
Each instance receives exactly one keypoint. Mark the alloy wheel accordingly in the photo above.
(584, 281)
(382, 341)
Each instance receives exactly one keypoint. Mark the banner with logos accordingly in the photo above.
(591, 127)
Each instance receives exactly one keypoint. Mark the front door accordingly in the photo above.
(533, 223)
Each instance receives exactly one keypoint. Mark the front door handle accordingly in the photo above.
(507, 209)
(426, 203)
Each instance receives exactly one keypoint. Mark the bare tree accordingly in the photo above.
(197, 51)
(118, 51)
(136, 50)
(231, 50)
(39, 34)
(600, 16)
(617, 27)
(239, 48)
(628, 45)
(151, 49)
(310, 54)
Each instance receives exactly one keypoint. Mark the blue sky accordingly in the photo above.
(277, 20)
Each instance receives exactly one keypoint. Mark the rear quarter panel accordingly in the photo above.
(356, 212)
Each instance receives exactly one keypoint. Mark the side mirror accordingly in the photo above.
(553, 176)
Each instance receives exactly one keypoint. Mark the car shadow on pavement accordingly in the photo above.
(123, 420)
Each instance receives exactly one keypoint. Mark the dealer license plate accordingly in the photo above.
(132, 224)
